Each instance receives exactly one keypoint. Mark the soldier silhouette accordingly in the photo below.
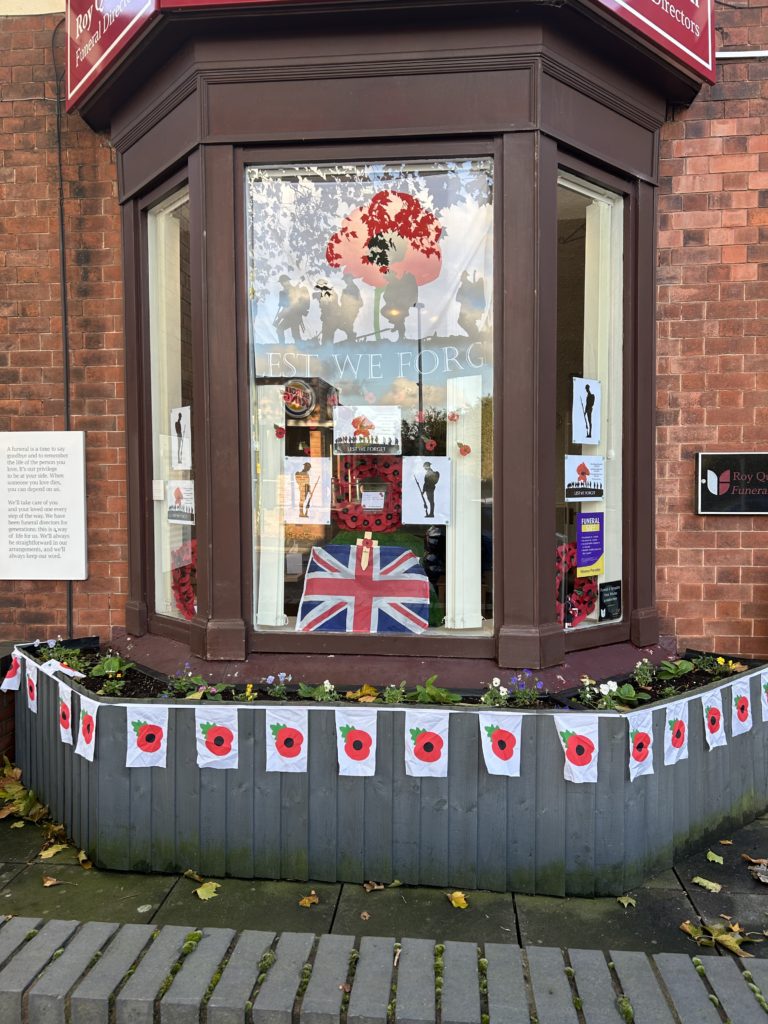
(179, 440)
(302, 482)
(292, 307)
(471, 299)
(330, 311)
(349, 306)
(399, 295)
(589, 405)
(431, 476)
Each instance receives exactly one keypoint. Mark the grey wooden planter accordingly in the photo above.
(532, 834)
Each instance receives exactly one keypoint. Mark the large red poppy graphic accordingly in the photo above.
(742, 708)
(288, 741)
(678, 733)
(578, 749)
(64, 715)
(218, 738)
(641, 745)
(502, 742)
(713, 719)
(88, 726)
(31, 688)
(393, 235)
(149, 738)
(427, 746)
(357, 742)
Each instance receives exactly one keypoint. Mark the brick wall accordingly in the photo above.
(712, 391)
(31, 390)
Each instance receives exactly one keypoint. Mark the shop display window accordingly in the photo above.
(588, 545)
(171, 373)
(370, 317)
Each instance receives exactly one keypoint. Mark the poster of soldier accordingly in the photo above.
(307, 490)
(427, 489)
(586, 410)
(367, 430)
(181, 438)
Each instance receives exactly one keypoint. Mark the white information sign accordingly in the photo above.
(42, 506)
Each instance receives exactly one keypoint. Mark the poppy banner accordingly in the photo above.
(65, 713)
(146, 728)
(676, 732)
(356, 741)
(32, 686)
(426, 743)
(287, 744)
(764, 695)
(640, 727)
(741, 708)
(216, 737)
(714, 723)
(86, 738)
(579, 738)
(500, 739)
(13, 676)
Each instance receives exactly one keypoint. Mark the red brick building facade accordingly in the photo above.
(712, 354)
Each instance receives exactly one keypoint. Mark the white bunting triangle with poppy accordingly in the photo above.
(764, 694)
(286, 737)
(676, 732)
(12, 680)
(356, 741)
(32, 686)
(426, 743)
(741, 707)
(146, 727)
(500, 739)
(714, 724)
(217, 737)
(86, 737)
(640, 727)
(65, 712)
(579, 737)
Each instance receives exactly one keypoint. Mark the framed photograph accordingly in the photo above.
(180, 496)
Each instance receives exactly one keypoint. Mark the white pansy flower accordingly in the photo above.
(503, 691)
(612, 687)
(327, 685)
(605, 689)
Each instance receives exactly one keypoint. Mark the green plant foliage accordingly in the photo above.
(431, 694)
(674, 669)
(111, 665)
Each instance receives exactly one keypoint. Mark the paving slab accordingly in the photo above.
(732, 874)
(639, 984)
(15, 933)
(750, 910)
(47, 997)
(322, 1000)
(602, 923)
(551, 989)
(274, 1002)
(507, 994)
(19, 845)
(245, 904)
(664, 880)
(594, 986)
(90, 1000)
(737, 1001)
(85, 895)
(238, 979)
(182, 1001)
(689, 993)
(426, 913)
(370, 994)
(416, 982)
(135, 1003)
(27, 963)
(461, 984)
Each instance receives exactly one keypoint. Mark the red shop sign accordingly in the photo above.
(685, 29)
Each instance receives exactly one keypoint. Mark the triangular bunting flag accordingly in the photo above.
(741, 707)
(500, 739)
(13, 676)
(356, 740)
(579, 737)
(287, 739)
(676, 732)
(32, 686)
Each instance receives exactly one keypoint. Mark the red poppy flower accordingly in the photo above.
(149, 738)
(357, 742)
(279, 431)
(453, 417)
(502, 742)
(430, 444)
(582, 471)
(288, 741)
(393, 235)
(578, 749)
(678, 733)
(88, 727)
(464, 449)
(641, 746)
(64, 717)
(713, 719)
(218, 739)
(427, 746)
(742, 709)
(31, 688)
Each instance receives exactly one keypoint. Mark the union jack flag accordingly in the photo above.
(389, 595)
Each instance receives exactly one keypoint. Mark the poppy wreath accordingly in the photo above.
(184, 578)
(581, 593)
(352, 516)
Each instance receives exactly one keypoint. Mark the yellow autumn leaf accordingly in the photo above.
(725, 842)
(458, 900)
(83, 861)
(207, 890)
(367, 694)
(626, 901)
(308, 901)
(51, 851)
(48, 881)
(18, 824)
(706, 884)
(714, 858)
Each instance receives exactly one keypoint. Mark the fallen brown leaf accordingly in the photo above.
(726, 842)
(51, 851)
(48, 881)
(83, 861)
(308, 901)
(189, 873)
(346, 987)
(372, 886)
(365, 916)
(755, 860)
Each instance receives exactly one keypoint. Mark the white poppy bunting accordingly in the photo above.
(287, 742)
(640, 728)
(86, 737)
(764, 694)
(741, 707)
(146, 729)
(216, 737)
(500, 739)
(356, 740)
(13, 676)
(65, 712)
(714, 724)
(579, 737)
(426, 743)
(32, 677)
(676, 732)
